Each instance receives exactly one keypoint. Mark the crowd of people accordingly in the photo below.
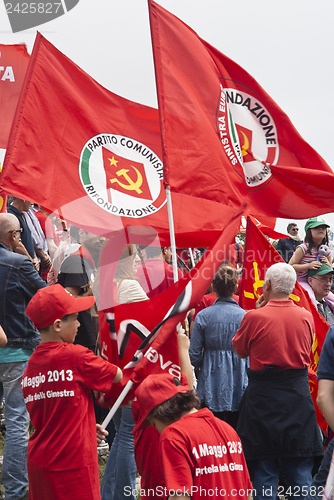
(240, 422)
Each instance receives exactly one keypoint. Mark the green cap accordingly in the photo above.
(324, 269)
(315, 222)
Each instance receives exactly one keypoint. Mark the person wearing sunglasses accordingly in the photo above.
(286, 246)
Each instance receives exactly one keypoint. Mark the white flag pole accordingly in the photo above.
(172, 233)
(191, 257)
(117, 404)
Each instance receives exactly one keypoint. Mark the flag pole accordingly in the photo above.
(117, 404)
(172, 232)
(191, 257)
(164, 153)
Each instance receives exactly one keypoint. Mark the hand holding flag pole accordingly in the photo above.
(160, 318)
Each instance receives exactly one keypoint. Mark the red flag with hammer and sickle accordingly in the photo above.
(125, 175)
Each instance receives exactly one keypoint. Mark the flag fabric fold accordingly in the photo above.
(14, 60)
(95, 157)
(224, 138)
(141, 337)
(259, 255)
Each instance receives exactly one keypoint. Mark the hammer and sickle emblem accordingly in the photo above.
(131, 184)
(245, 146)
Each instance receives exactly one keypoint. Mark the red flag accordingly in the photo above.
(14, 60)
(224, 138)
(145, 332)
(258, 257)
(13, 64)
(264, 228)
(66, 130)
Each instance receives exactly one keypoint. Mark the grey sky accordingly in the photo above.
(287, 46)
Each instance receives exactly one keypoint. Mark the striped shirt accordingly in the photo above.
(310, 254)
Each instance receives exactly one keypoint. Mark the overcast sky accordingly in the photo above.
(287, 46)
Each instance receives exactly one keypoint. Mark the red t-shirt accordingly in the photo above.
(202, 457)
(279, 334)
(149, 464)
(156, 276)
(62, 452)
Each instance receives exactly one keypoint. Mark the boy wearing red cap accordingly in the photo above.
(57, 385)
(201, 454)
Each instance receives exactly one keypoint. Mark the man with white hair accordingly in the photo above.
(277, 422)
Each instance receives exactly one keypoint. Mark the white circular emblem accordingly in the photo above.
(122, 176)
(248, 134)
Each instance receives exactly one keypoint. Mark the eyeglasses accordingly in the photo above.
(324, 279)
(16, 230)
(295, 229)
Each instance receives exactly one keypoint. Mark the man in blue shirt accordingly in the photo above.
(287, 246)
(19, 282)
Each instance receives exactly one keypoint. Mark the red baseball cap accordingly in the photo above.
(54, 302)
(154, 390)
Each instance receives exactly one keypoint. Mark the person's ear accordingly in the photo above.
(309, 282)
(57, 325)
(13, 237)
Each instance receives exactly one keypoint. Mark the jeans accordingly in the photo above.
(297, 473)
(14, 470)
(319, 480)
(119, 478)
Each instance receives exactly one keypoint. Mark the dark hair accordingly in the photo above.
(291, 225)
(172, 409)
(65, 318)
(308, 239)
(225, 281)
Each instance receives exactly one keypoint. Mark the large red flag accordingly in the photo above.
(141, 337)
(259, 255)
(224, 138)
(95, 157)
(13, 64)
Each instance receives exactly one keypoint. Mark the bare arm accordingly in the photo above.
(45, 258)
(297, 257)
(74, 290)
(51, 246)
(325, 400)
(118, 376)
(3, 337)
(186, 368)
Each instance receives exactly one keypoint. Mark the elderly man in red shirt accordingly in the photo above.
(277, 422)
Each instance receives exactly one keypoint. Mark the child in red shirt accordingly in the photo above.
(201, 455)
(57, 385)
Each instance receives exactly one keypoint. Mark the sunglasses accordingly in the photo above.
(16, 230)
(324, 279)
(295, 229)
